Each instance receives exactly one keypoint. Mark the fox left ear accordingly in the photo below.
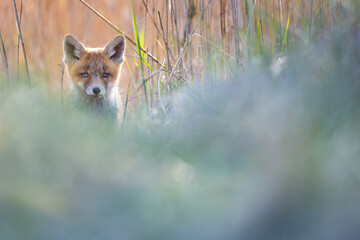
(115, 49)
(73, 49)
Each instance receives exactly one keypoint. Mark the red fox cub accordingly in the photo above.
(94, 74)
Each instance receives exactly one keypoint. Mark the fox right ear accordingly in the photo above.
(115, 49)
(73, 49)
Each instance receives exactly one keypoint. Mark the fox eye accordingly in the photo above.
(85, 75)
(105, 75)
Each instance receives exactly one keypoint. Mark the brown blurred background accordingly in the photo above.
(46, 22)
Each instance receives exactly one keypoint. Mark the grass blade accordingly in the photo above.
(286, 31)
(258, 38)
(117, 29)
(188, 40)
(125, 107)
(137, 40)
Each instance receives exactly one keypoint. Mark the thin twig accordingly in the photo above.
(22, 42)
(159, 92)
(18, 44)
(251, 15)
(175, 19)
(6, 63)
(62, 86)
(157, 72)
(117, 29)
(125, 107)
(310, 22)
(215, 45)
(188, 40)
(138, 22)
(166, 42)
(222, 18)
(236, 31)
(281, 20)
(152, 19)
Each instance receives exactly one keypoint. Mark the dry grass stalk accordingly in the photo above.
(281, 20)
(190, 9)
(188, 40)
(18, 44)
(117, 29)
(236, 30)
(5, 59)
(261, 25)
(222, 18)
(151, 18)
(22, 42)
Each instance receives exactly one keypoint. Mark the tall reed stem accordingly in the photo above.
(22, 42)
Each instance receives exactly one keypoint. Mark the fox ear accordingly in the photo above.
(73, 49)
(115, 49)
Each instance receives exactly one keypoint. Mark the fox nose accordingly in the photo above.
(96, 90)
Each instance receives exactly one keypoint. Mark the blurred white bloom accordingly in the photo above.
(181, 171)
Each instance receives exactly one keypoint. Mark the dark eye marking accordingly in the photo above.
(85, 75)
(106, 75)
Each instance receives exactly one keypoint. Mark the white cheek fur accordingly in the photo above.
(81, 85)
(109, 86)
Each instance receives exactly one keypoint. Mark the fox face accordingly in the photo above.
(94, 72)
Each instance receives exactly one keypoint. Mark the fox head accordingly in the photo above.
(94, 72)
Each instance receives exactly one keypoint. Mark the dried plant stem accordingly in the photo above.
(168, 52)
(175, 20)
(189, 6)
(154, 73)
(251, 16)
(188, 40)
(261, 23)
(281, 20)
(236, 32)
(333, 17)
(310, 21)
(222, 18)
(152, 19)
(5, 59)
(22, 42)
(125, 107)
(117, 29)
(62, 86)
(18, 44)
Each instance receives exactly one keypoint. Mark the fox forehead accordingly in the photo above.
(95, 61)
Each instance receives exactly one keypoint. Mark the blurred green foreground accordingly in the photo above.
(263, 156)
